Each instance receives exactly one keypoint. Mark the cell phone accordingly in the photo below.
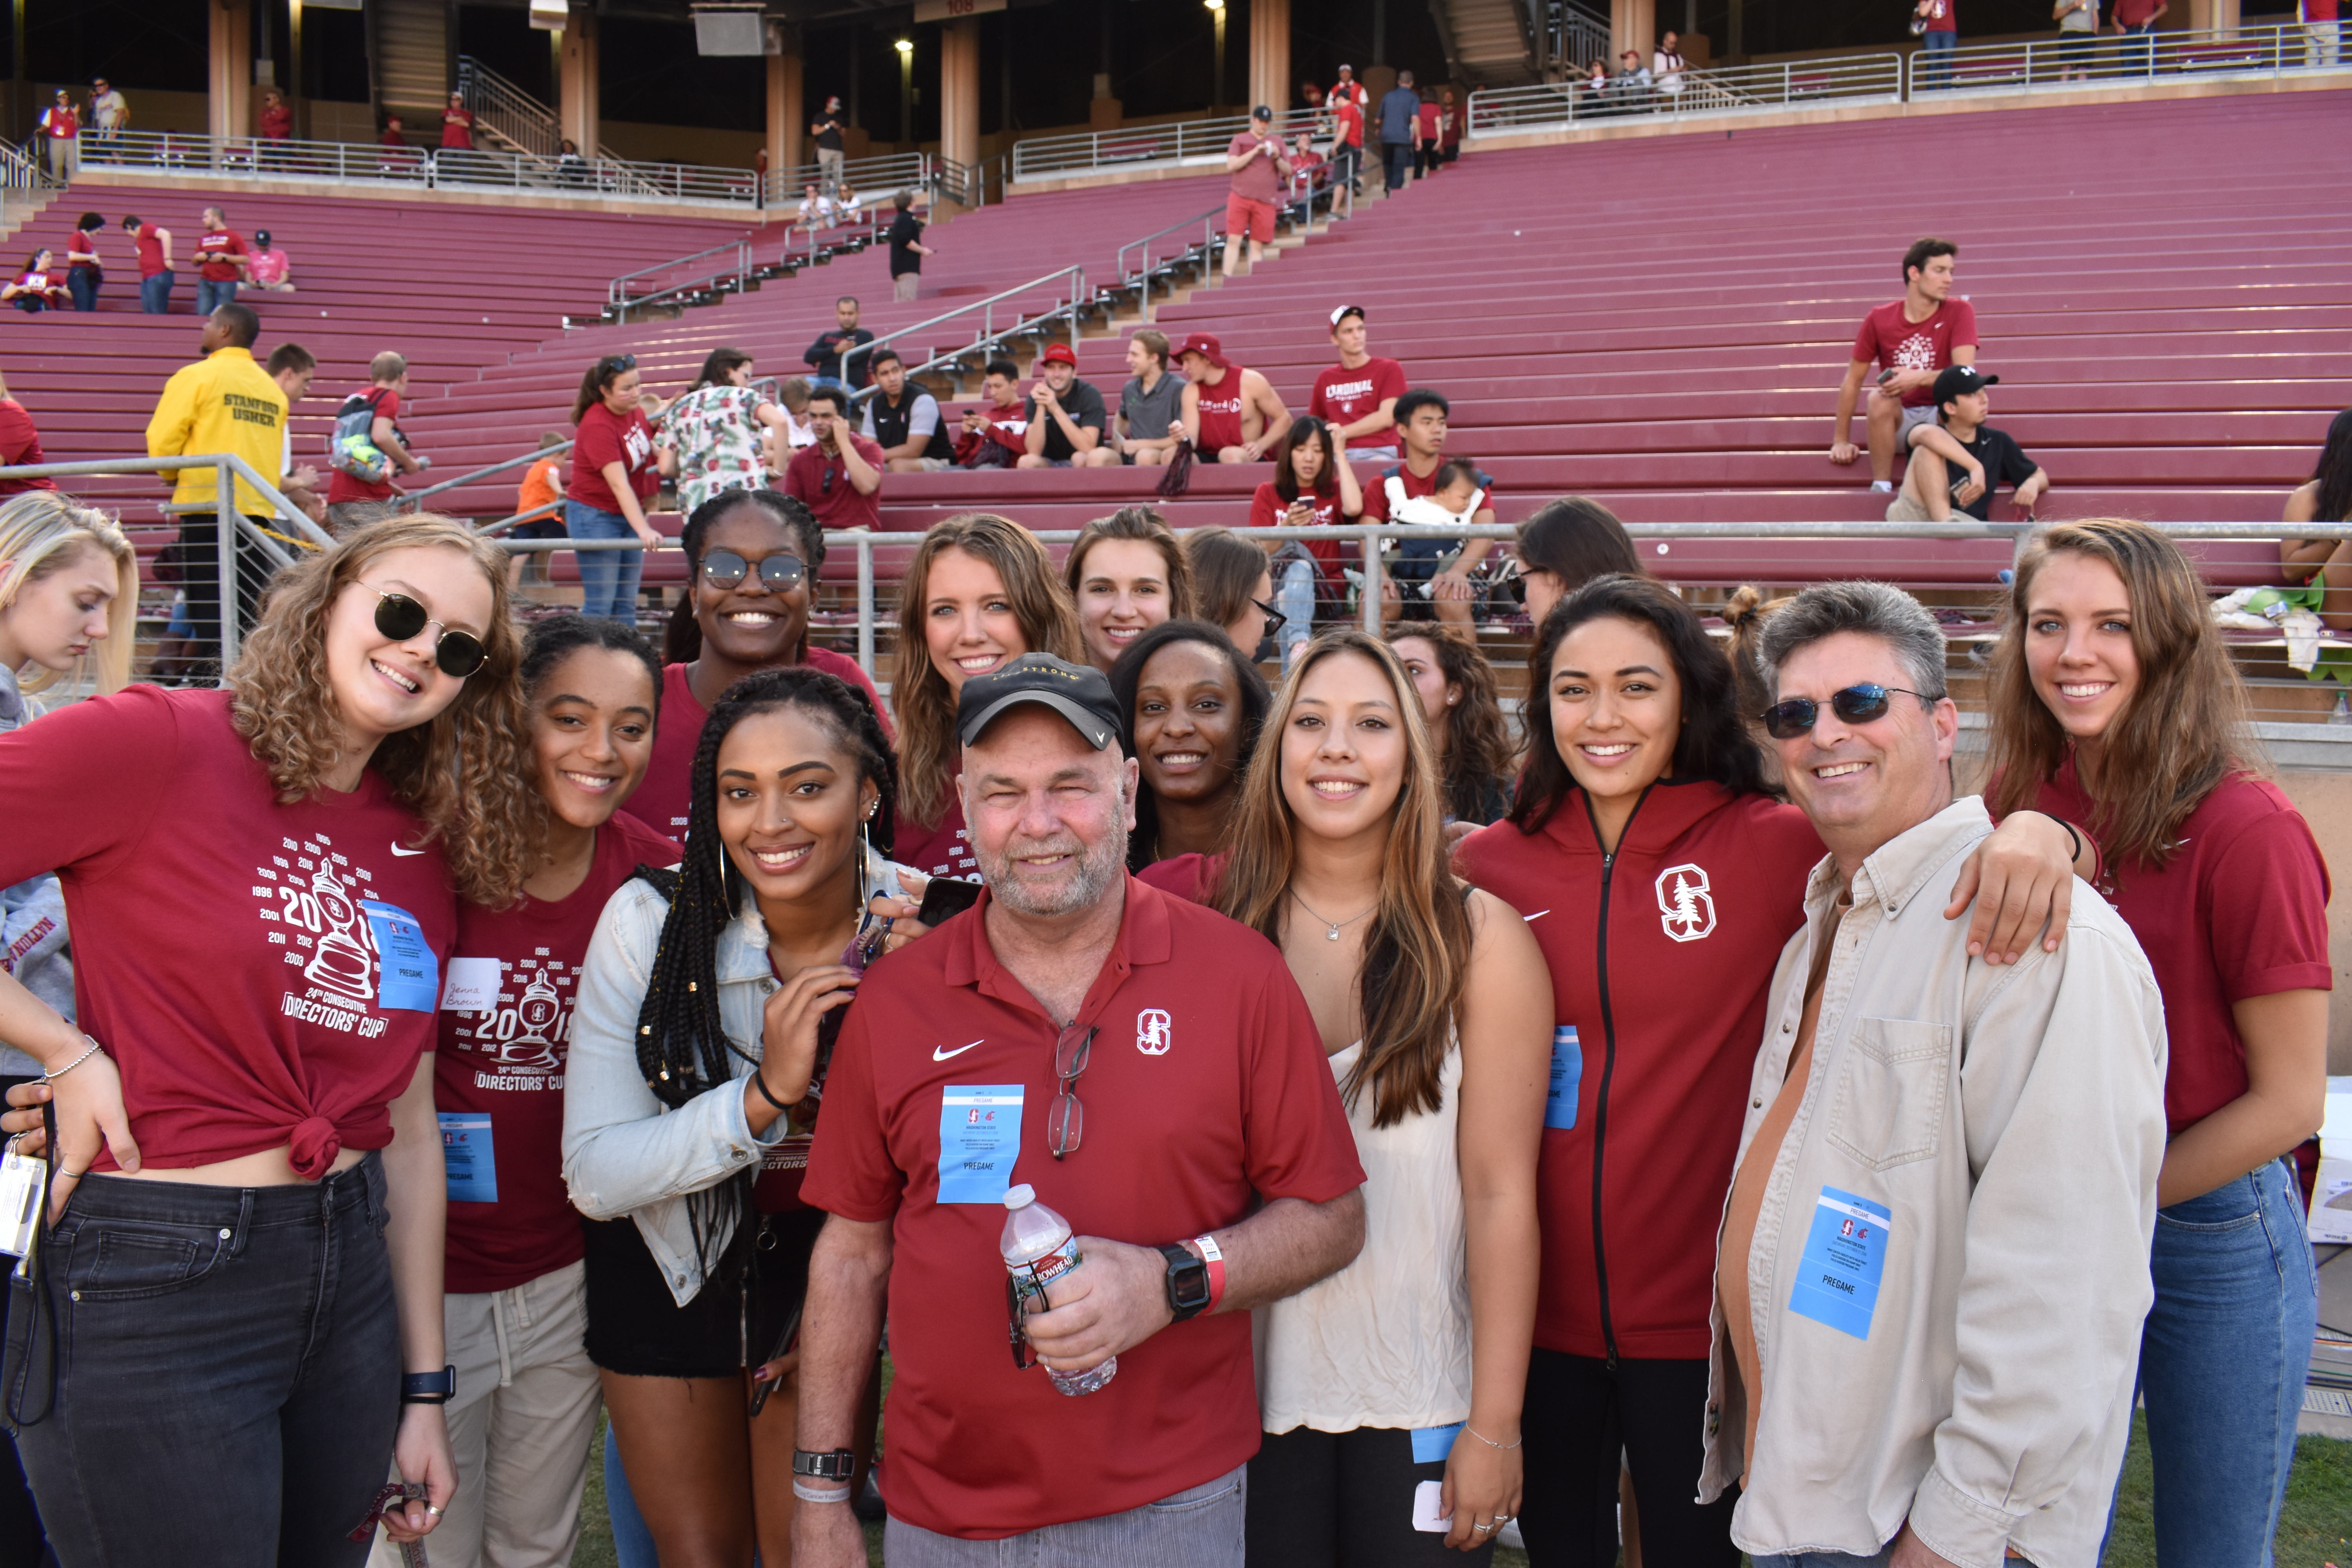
(1885, 376)
(945, 899)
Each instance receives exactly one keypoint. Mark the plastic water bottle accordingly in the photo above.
(1038, 1248)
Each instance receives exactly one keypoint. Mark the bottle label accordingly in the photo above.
(1030, 1280)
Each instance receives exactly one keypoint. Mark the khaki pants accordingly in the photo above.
(828, 169)
(906, 285)
(1903, 508)
(520, 1425)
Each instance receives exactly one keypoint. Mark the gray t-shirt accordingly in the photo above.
(1149, 413)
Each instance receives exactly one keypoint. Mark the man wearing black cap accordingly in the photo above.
(1260, 165)
(1059, 1035)
(1357, 397)
(1976, 459)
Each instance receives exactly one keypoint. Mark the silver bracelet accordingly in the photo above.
(808, 1493)
(94, 1049)
(1489, 1441)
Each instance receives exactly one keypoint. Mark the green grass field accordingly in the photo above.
(2314, 1529)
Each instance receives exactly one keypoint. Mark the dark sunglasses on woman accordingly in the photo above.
(1275, 619)
(1856, 705)
(778, 573)
(400, 618)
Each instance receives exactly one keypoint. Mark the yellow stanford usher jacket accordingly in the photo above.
(223, 402)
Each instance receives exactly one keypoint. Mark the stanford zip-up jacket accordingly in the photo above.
(1662, 957)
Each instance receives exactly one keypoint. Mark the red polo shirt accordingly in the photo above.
(1199, 1099)
(822, 484)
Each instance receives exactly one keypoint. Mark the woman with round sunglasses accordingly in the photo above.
(1409, 1365)
(240, 1273)
(1192, 706)
(2114, 705)
(980, 593)
(751, 563)
(614, 474)
(1233, 587)
(1643, 851)
(1126, 573)
(699, 1050)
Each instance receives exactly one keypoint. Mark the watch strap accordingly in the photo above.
(836, 1466)
(429, 1387)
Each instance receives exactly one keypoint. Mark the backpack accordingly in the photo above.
(351, 446)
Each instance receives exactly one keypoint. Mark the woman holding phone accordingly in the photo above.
(1313, 486)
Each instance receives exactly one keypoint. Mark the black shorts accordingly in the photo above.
(539, 528)
(636, 1328)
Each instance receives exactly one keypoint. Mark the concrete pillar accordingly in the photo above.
(291, 83)
(578, 115)
(230, 77)
(787, 124)
(959, 91)
(1633, 24)
(2206, 14)
(1269, 57)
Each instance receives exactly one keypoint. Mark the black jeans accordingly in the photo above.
(214, 1375)
(1579, 1417)
(199, 559)
(1399, 160)
(1317, 1500)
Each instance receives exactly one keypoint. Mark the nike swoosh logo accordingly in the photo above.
(940, 1053)
(398, 851)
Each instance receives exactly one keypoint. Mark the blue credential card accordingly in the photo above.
(407, 974)
(471, 1159)
(1431, 1445)
(980, 1139)
(1567, 1077)
(1844, 1260)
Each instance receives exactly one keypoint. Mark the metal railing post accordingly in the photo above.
(224, 516)
(1372, 590)
(866, 604)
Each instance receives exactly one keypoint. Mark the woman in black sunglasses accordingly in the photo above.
(751, 561)
(1662, 881)
(1233, 587)
(263, 884)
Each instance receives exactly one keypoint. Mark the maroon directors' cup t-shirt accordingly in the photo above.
(501, 1063)
(261, 973)
(1199, 1099)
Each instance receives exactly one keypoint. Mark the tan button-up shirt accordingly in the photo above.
(1950, 1266)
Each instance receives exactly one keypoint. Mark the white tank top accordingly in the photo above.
(1386, 1341)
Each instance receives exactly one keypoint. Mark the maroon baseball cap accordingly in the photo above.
(1059, 353)
(1204, 344)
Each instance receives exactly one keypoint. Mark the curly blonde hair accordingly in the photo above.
(468, 772)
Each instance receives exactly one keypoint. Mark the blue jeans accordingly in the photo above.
(1828, 1559)
(219, 1368)
(2139, 55)
(1294, 595)
(212, 294)
(2221, 1364)
(608, 578)
(1939, 46)
(155, 294)
(82, 283)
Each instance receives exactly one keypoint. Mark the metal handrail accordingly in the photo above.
(883, 173)
(988, 334)
(1145, 147)
(410, 497)
(1840, 79)
(1572, 37)
(2102, 60)
(1211, 224)
(619, 302)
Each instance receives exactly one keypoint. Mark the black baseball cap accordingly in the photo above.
(1958, 381)
(1078, 692)
(1261, 113)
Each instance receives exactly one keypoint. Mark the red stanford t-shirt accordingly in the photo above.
(1899, 344)
(607, 438)
(1342, 396)
(1268, 510)
(214, 244)
(667, 794)
(2242, 911)
(230, 953)
(506, 1063)
(1200, 1099)
(343, 487)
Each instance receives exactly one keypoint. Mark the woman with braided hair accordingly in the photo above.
(700, 1045)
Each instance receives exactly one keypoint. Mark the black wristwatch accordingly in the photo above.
(429, 1387)
(833, 1466)
(1187, 1282)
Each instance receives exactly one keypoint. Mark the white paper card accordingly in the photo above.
(473, 986)
(1425, 1508)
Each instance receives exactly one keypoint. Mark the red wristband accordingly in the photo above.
(1216, 1262)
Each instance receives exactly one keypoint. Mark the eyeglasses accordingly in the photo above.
(1856, 705)
(400, 618)
(1275, 619)
(1067, 1123)
(778, 573)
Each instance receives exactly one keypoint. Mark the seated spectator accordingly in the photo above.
(832, 356)
(20, 446)
(1912, 339)
(398, 160)
(848, 204)
(781, 441)
(1594, 89)
(1064, 417)
(570, 168)
(1421, 417)
(903, 419)
(1233, 587)
(1358, 396)
(817, 209)
(1976, 459)
(541, 491)
(1313, 486)
(1566, 545)
(1152, 403)
(40, 287)
(1230, 412)
(270, 270)
(1630, 88)
(839, 476)
(1308, 175)
(2325, 496)
(996, 434)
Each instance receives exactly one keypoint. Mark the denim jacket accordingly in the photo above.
(624, 1151)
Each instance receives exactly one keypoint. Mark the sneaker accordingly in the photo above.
(1884, 486)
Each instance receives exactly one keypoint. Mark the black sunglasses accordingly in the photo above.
(400, 618)
(778, 573)
(1856, 705)
(619, 365)
(1275, 619)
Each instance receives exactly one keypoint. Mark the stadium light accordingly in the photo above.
(905, 46)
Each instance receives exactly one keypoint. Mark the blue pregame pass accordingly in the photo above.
(407, 974)
(1844, 1260)
(1567, 1076)
(1431, 1445)
(980, 1138)
(468, 1155)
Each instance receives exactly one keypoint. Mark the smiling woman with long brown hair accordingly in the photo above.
(260, 881)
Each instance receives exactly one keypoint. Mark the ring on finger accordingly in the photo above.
(432, 1511)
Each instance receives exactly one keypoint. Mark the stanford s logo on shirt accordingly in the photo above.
(1153, 1034)
(1685, 905)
